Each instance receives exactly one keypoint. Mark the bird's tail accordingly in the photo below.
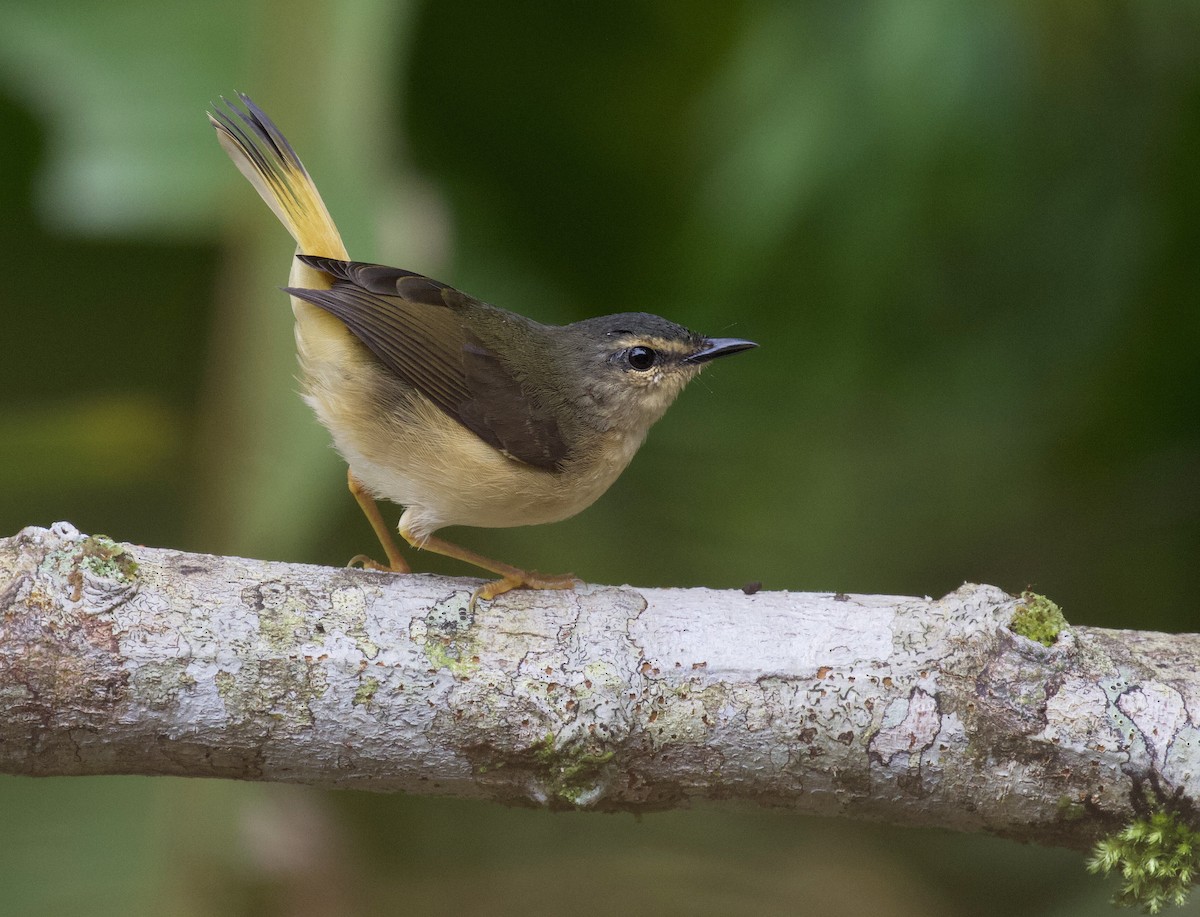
(261, 153)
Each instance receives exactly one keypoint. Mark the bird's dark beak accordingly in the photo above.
(718, 347)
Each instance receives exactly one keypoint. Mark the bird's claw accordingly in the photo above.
(363, 562)
(522, 579)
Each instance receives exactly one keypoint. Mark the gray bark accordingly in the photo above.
(120, 659)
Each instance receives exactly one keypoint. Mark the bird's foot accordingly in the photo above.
(522, 579)
(363, 562)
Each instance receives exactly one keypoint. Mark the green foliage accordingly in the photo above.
(1038, 618)
(1158, 858)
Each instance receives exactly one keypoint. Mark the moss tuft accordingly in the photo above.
(1158, 857)
(1038, 618)
(103, 557)
(572, 775)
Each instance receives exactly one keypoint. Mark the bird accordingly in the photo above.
(459, 411)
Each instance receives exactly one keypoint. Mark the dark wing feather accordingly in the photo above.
(499, 405)
(416, 327)
(389, 281)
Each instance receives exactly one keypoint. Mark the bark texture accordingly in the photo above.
(119, 659)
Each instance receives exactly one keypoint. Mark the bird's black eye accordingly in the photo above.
(641, 358)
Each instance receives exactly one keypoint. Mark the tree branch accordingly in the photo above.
(116, 659)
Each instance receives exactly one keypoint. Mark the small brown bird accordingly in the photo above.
(463, 413)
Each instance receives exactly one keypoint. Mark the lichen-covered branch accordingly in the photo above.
(117, 659)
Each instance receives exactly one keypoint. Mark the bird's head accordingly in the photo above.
(629, 367)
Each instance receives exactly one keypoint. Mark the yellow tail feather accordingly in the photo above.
(264, 156)
(261, 153)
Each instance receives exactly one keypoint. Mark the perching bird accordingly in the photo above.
(463, 413)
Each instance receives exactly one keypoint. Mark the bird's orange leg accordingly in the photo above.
(396, 561)
(510, 577)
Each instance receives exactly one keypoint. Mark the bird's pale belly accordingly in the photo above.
(443, 474)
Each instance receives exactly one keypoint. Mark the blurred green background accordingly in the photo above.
(964, 234)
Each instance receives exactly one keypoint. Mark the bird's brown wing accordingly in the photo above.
(416, 327)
